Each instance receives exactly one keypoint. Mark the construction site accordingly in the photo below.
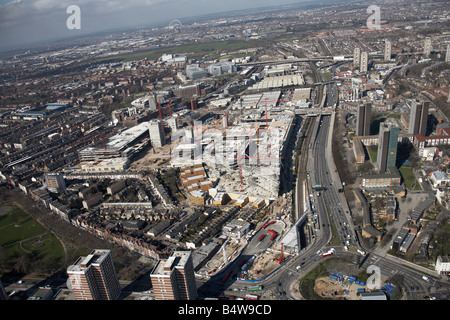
(237, 156)
(245, 156)
(252, 255)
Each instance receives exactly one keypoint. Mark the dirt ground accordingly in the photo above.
(329, 288)
(5, 209)
(154, 159)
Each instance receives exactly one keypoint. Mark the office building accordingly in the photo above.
(387, 50)
(356, 57)
(94, 277)
(364, 65)
(220, 68)
(363, 119)
(194, 72)
(55, 182)
(427, 47)
(156, 131)
(174, 278)
(418, 118)
(387, 147)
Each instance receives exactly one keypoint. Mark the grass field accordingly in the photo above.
(410, 178)
(197, 51)
(373, 152)
(21, 235)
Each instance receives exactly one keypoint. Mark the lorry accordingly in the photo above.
(328, 253)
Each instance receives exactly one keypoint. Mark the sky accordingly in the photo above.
(24, 22)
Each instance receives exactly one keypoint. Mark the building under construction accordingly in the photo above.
(245, 157)
(124, 144)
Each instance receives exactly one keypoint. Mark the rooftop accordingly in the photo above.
(177, 259)
(95, 257)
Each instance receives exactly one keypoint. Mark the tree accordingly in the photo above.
(22, 263)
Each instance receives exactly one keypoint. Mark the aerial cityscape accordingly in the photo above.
(298, 151)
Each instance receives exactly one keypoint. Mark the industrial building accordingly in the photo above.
(41, 111)
(279, 82)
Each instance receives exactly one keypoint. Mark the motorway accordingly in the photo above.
(282, 282)
(331, 203)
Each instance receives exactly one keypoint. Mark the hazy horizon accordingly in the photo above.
(30, 22)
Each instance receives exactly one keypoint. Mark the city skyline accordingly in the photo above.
(231, 158)
(32, 22)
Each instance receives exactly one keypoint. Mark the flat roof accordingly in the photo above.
(95, 257)
(177, 259)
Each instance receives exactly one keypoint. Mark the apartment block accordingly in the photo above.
(55, 182)
(391, 178)
(418, 118)
(364, 65)
(358, 151)
(174, 278)
(387, 50)
(94, 277)
(356, 57)
(363, 119)
(387, 147)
